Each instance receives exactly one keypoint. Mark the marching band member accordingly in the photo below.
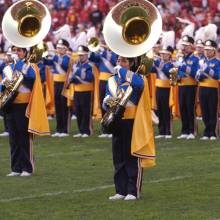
(60, 64)
(187, 88)
(83, 79)
(127, 164)
(162, 68)
(25, 116)
(208, 76)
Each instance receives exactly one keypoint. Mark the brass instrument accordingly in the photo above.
(146, 63)
(116, 110)
(173, 76)
(11, 86)
(24, 24)
(132, 27)
(93, 44)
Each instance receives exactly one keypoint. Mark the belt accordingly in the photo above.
(22, 98)
(209, 83)
(130, 112)
(59, 77)
(187, 81)
(84, 87)
(104, 76)
(163, 83)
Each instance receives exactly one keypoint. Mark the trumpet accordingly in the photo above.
(94, 44)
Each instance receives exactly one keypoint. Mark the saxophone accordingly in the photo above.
(115, 111)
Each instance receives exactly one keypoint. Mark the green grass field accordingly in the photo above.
(74, 177)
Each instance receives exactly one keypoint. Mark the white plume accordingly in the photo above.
(79, 39)
(63, 32)
(91, 32)
(184, 21)
(168, 39)
(210, 32)
(199, 34)
(189, 30)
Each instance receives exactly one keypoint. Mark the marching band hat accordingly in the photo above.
(187, 40)
(199, 43)
(168, 50)
(210, 45)
(63, 44)
(82, 50)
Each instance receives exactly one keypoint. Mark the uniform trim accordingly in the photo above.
(84, 87)
(162, 83)
(104, 76)
(209, 83)
(59, 77)
(187, 81)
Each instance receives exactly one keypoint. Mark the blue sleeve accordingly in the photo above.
(74, 79)
(95, 57)
(136, 81)
(65, 63)
(89, 74)
(88, 77)
(153, 69)
(2, 66)
(194, 67)
(155, 64)
(1, 87)
(48, 62)
(107, 93)
(181, 71)
(216, 70)
(30, 73)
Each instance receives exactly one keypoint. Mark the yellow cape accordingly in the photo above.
(49, 96)
(142, 143)
(36, 110)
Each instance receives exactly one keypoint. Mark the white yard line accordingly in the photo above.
(53, 194)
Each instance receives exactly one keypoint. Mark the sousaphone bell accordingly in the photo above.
(132, 27)
(26, 23)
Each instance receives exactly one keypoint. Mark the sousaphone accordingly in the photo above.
(25, 24)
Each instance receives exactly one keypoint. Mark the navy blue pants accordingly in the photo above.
(128, 174)
(208, 98)
(83, 106)
(187, 97)
(20, 139)
(163, 110)
(61, 108)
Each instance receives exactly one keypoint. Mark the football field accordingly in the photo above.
(74, 178)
